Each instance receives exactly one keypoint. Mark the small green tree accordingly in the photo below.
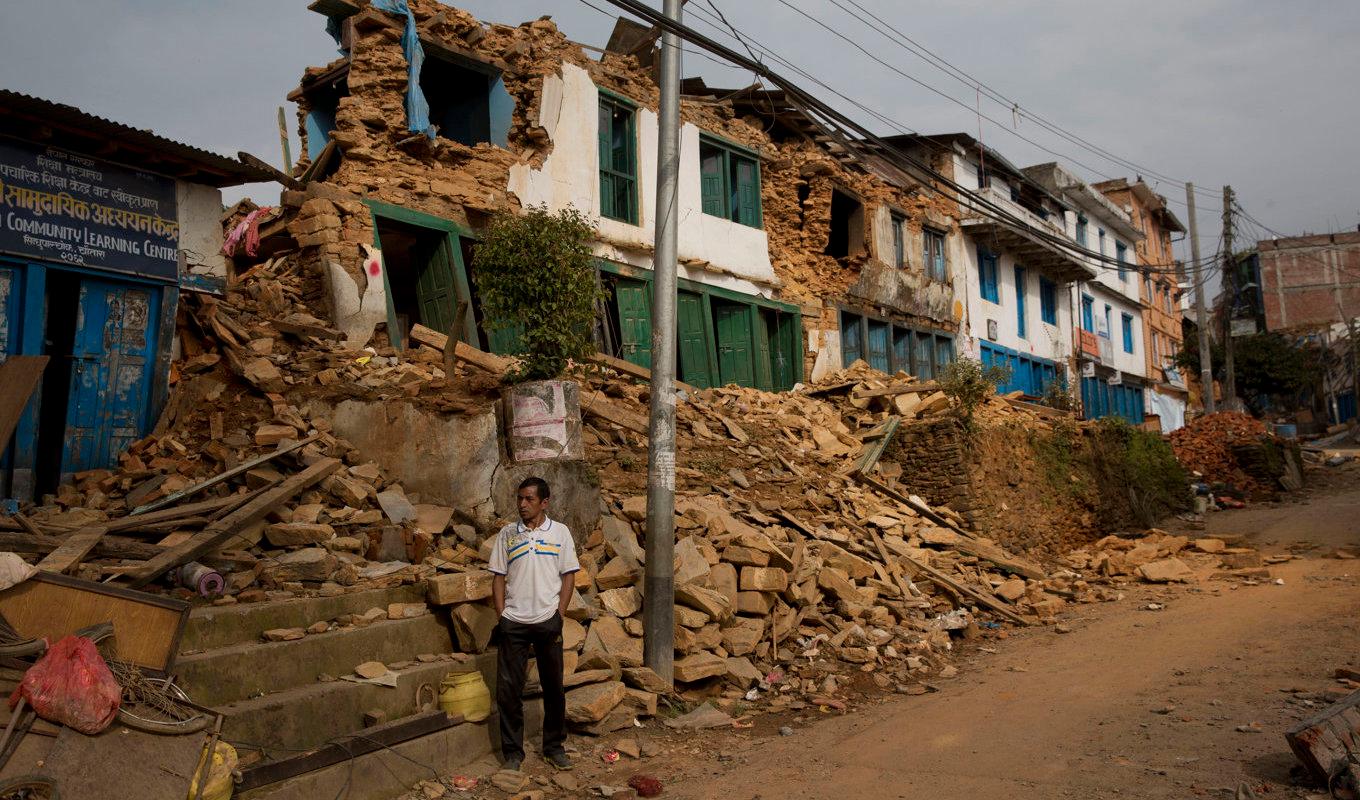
(535, 275)
(967, 384)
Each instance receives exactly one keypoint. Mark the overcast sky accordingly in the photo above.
(1258, 94)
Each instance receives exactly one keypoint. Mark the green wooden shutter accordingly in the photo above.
(692, 341)
(746, 177)
(711, 181)
(635, 322)
(606, 159)
(761, 332)
(733, 321)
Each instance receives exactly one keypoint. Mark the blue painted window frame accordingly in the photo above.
(987, 276)
(933, 252)
(1127, 320)
(1048, 301)
(1081, 229)
(1088, 313)
(1021, 328)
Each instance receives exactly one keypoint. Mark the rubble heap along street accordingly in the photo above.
(892, 466)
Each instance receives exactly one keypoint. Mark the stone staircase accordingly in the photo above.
(275, 696)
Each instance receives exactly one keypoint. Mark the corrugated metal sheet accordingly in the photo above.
(215, 170)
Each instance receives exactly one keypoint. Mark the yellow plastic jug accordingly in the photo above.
(465, 693)
(218, 784)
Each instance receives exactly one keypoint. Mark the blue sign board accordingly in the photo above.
(60, 206)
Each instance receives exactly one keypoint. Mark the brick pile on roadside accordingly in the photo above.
(1156, 556)
(1205, 446)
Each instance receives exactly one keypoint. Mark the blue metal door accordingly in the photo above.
(112, 361)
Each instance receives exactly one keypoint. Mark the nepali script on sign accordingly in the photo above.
(60, 206)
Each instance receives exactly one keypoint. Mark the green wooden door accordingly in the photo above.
(691, 340)
(635, 322)
(783, 358)
(761, 348)
(733, 323)
(436, 289)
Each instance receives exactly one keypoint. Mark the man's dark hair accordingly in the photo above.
(539, 485)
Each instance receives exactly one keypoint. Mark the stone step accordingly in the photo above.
(392, 771)
(308, 716)
(219, 626)
(240, 671)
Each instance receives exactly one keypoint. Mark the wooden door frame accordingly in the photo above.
(452, 232)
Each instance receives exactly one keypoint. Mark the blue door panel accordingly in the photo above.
(112, 361)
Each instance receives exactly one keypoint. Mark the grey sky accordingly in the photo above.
(1260, 95)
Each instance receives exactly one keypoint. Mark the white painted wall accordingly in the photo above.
(1053, 342)
(199, 209)
(1107, 273)
(1132, 363)
(569, 176)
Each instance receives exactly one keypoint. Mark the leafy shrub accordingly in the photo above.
(967, 384)
(535, 274)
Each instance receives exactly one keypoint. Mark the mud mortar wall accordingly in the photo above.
(995, 480)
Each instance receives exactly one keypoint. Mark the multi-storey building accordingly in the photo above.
(1161, 295)
(1110, 345)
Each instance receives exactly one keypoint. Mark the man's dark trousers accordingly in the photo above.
(518, 641)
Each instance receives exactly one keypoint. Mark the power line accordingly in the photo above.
(1001, 215)
(921, 51)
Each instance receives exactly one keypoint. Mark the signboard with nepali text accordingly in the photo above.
(60, 206)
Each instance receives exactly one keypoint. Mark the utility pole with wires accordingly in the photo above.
(1230, 274)
(1206, 360)
(658, 605)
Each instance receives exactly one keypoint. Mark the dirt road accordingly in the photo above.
(1188, 701)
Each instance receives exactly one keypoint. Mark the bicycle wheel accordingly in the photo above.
(166, 711)
(29, 787)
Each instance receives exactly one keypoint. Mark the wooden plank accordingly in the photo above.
(895, 389)
(603, 409)
(965, 541)
(27, 524)
(633, 370)
(108, 547)
(73, 550)
(1043, 411)
(19, 376)
(223, 529)
(190, 491)
(904, 584)
(832, 389)
(881, 436)
(490, 362)
(965, 591)
(147, 627)
(274, 172)
(367, 741)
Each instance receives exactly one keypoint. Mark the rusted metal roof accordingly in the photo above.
(67, 127)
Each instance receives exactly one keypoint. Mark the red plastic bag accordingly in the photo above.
(73, 686)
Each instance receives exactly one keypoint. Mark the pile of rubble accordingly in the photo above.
(1158, 557)
(1205, 445)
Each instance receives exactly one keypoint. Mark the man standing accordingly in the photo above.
(533, 561)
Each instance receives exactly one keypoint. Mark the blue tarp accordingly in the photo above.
(417, 109)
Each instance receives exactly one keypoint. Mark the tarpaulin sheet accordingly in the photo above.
(417, 108)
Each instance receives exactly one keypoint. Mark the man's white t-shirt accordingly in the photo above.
(533, 562)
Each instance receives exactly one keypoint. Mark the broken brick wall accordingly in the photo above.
(996, 479)
(799, 188)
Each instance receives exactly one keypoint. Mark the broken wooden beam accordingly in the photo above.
(73, 550)
(190, 491)
(964, 591)
(895, 389)
(107, 547)
(489, 362)
(597, 406)
(219, 532)
(19, 376)
(881, 438)
(633, 370)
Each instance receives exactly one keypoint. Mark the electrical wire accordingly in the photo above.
(914, 47)
(1000, 214)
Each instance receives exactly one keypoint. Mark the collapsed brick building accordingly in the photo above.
(788, 244)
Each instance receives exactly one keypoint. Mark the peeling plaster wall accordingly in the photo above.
(199, 211)
(569, 176)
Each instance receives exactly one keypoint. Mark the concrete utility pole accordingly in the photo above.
(1230, 272)
(1206, 360)
(658, 606)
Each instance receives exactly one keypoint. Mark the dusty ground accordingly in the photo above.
(1188, 701)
